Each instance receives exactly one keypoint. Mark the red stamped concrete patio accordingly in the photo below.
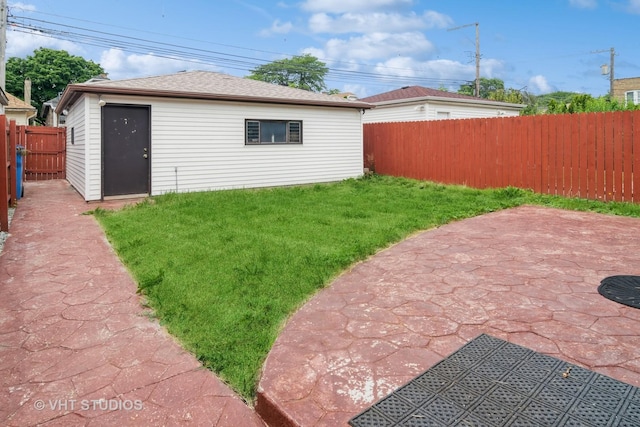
(527, 275)
(73, 330)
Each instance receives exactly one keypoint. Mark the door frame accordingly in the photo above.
(102, 154)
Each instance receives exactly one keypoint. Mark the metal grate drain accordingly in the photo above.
(490, 382)
(622, 289)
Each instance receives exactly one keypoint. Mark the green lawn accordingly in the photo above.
(224, 270)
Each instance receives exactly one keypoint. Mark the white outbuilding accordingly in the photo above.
(417, 103)
(201, 131)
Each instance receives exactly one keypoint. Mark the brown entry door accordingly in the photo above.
(126, 148)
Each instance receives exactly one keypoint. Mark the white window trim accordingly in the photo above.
(636, 96)
(443, 114)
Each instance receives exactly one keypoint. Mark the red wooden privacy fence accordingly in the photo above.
(45, 159)
(46, 148)
(592, 155)
(8, 188)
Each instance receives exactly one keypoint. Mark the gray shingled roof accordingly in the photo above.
(207, 85)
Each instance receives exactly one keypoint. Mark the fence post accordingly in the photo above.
(13, 177)
(4, 176)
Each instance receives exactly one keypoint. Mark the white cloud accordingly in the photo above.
(277, 28)
(20, 44)
(117, 63)
(120, 65)
(437, 20)
(317, 52)
(359, 90)
(634, 7)
(491, 68)
(584, 4)
(378, 22)
(539, 84)
(402, 55)
(374, 46)
(255, 9)
(22, 7)
(437, 69)
(409, 67)
(343, 6)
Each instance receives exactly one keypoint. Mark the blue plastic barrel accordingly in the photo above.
(19, 166)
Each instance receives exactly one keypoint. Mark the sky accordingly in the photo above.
(370, 46)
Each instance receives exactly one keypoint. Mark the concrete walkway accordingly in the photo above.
(527, 275)
(76, 346)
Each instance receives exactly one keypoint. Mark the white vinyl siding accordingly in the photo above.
(94, 154)
(417, 111)
(200, 145)
(395, 113)
(209, 151)
(84, 156)
(76, 172)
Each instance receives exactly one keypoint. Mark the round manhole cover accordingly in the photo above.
(622, 289)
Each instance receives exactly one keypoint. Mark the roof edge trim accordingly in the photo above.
(479, 101)
(74, 91)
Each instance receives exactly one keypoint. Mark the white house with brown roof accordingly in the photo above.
(201, 131)
(19, 110)
(417, 103)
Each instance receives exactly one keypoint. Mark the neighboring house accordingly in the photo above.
(19, 110)
(627, 90)
(200, 131)
(50, 116)
(415, 103)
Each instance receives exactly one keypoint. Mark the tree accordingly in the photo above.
(486, 87)
(509, 95)
(494, 90)
(540, 104)
(302, 72)
(50, 72)
(559, 96)
(585, 103)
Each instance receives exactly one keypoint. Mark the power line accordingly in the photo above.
(280, 54)
(71, 33)
(141, 31)
(184, 53)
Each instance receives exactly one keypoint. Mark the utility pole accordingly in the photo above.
(3, 43)
(608, 69)
(477, 24)
(613, 54)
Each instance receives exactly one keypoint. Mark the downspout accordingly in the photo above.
(31, 117)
